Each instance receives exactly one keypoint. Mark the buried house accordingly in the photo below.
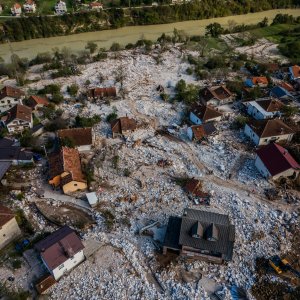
(274, 161)
(122, 126)
(202, 235)
(61, 251)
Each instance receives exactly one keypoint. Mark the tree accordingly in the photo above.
(202, 44)
(73, 89)
(264, 22)
(67, 142)
(214, 30)
(91, 46)
(289, 111)
(231, 25)
(115, 47)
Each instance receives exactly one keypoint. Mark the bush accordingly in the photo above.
(87, 122)
(111, 117)
(115, 161)
(73, 89)
(16, 264)
(115, 47)
(239, 122)
(215, 62)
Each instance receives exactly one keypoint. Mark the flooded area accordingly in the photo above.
(127, 35)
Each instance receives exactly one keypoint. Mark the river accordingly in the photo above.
(130, 34)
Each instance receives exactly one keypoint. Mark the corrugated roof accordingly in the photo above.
(277, 159)
(59, 247)
(80, 136)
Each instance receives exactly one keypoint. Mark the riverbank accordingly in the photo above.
(125, 35)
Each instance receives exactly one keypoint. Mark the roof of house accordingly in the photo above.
(218, 232)
(295, 70)
(35, 100)
(6, 142)
(271, 67)
(277, 159)
(59, 247)
(201, 131)
(9, 91)
(218, 92)
(288, 87)
(67, 160)
(95, 4)
(20, 112)
(270, 105)
(102, 92)
(14, 153)
(16, 6)
(279, 92)
(45, 283)
(123, 124)
(80, 136)
(4, 166)
(6, 215)
(260, 80)
(29, 2)
(269, 128)
(206, 112)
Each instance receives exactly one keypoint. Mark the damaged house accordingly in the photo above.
(65, 171)
(263, 132)
(122, 126)
(202, 235)
(264, 109)
(216, 95)
(10, 96)
(100, 93)
(61, 251)
(274, 161)
(201, 132)
(204, 113)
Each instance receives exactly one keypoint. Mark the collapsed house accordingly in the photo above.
(122, 126)
(201, 132)
(100, 93)
(216, 95)
(200, 234)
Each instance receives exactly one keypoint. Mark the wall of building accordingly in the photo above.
(261, 167)
(7, 103)
(190, 133)
(251, 134)
(84, 148)
(279, 138)
(194, 253)
(67, 265)
(9, 232)
(18, 125)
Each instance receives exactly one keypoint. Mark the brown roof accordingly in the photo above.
(198, 131)
(123, 124)
(6, 215)
(268, 128)
(218, 92)
(59, 247)
(45, 283)
(286, 86)
(272, 67)
(270, 105)
(296, 71)
(95, 4)
(206, 112)
(102, 92)
(80, 136)
(260, 80)
(67, 160)
(9, 91)
(20, 112)
(35, 100)
(17, 5)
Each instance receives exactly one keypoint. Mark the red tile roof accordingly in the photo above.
(59, 247)
(206, 112)
(9, 91)
(296, 71)
(260, 80)
(45, 283)
(16, 6)
(80, 136)
(286, 86)
(95, 4)
(6, 215)
(218, 92)
(277, 159)
(67, 160)
(35, 100)
(20, 112)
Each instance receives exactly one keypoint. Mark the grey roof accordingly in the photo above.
(5, 142)
(14, 153)
(214, 225)
(172, 233)
(209, 128)
(4, 166)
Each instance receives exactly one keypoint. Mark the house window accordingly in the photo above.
(75, 184)
(61, 266)
(8, 101)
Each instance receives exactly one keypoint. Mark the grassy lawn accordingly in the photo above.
(274, 33)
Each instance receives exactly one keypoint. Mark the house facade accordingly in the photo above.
(274, 161)
(29, 6)
(204, 113)
(9, 97)
(60, 7)
(65, 171)
(18, 119)
(61, 252)
(95, 6)
(100, 93)
(81, 137)
(264, 109)
(264, 132)
(16, 10)
(122, 126)
(216, 95)
(9, 228)
(202, 235)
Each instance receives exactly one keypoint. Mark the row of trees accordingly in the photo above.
(18, 29)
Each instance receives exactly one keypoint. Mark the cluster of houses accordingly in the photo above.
(60, 7)
(265, 128)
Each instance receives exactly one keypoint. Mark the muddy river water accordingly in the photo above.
(131, 34)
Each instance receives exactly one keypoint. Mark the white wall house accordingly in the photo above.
(66, 266)
(203, 114)
(18, 125)
(29, 6)
(259, 113)
(16, 10)
(60, 7)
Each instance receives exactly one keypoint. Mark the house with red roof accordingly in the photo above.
(260, 81)
(16, 9)
(36, 102)
(29, 6)
(204, 113)
(216, 95)
(274, 161)
(95, 5)
(9, 97)
(61, 251)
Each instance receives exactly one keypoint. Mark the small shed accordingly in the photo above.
(92, 199)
